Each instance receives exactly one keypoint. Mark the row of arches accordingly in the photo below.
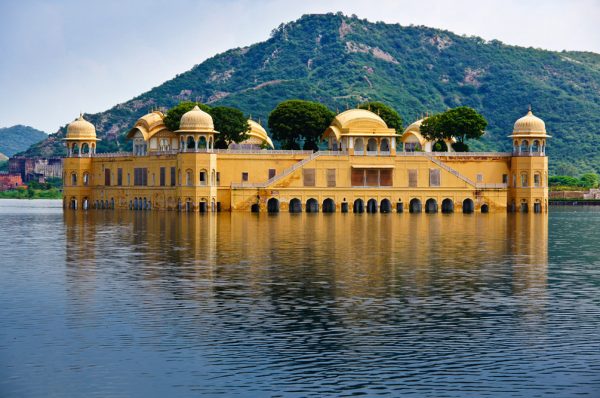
(140, 204)
(193, 143)
(415, 205)
(81, 149)
(527, 147)
(103, 204)
(373, 146)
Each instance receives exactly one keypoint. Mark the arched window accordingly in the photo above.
(385, 145)
(202, 142)
(537, 180)
(372, 145)
(524, 146)
(359, 146)
(189, 179)
(86, 179)
(535, 147)
(524, 181)
(73, 179)
(85, 148)
(203, 177)
(213, 177)
(191, 144)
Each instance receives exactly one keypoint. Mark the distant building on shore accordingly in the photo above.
(367, 167)
(36, 168)
(10, 181)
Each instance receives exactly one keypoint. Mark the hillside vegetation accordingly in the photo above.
(18, 138)
(342, 61)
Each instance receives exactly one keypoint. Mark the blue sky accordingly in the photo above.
(61, 57)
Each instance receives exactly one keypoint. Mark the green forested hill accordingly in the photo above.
(341, 61)
(18, 138)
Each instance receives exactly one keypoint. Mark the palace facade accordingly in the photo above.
(367, 168)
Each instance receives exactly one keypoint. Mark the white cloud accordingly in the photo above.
(58, 58)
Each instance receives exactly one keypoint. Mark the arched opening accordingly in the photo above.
(535, 147)
(372, 146)
(202, 142)
(135, 203)
(386, 206)
(273, 205)
(85, 148)
(371, 206)
(399, 207)
(73, 179)
(295, 206)
(537, 206)
(203, 177)
(189, 206)
(524, 207)
(328, 206)
(112, 203)
(202, 206)
(447, 206)
(189, 178)
(191, 144)
(468, 206)
(415, 206)
(485, 208)
(359, 146)
(255, 208)
(431, 206)
(385, 145)
(525, 146)
(73, 204)
(75, 150)
(312, 206)
(86, 178)
(440, 146)
(358, 206)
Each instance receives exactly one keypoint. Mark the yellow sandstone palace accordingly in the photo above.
(368, 167)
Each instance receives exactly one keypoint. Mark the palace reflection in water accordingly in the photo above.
(116, 302)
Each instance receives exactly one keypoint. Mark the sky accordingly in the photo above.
(59, 58)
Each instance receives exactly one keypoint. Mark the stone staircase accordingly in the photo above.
(450, 170)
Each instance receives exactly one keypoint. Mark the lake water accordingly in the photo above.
(108, 303)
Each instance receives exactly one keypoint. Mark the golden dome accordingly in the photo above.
(196, 121)
(358, 122)
(81, 129)
(149, 124)
(529, 125)
(357, 118)
(415, 126)
(258, 132)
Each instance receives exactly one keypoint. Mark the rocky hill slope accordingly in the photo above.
(342, 60)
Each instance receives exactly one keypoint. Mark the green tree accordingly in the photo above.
(173, 116)
(589, 180)
(231, 124)
(430, 128)
(294, 120)
(387, 113)
(462, 123)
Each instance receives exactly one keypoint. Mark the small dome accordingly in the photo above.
(359, 118)
(529, 124)
(196, 121)
(415, 126)
(81, 129)
(257, 132)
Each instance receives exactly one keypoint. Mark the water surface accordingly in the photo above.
(110, 303)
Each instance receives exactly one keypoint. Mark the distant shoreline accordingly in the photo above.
(575, 202)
